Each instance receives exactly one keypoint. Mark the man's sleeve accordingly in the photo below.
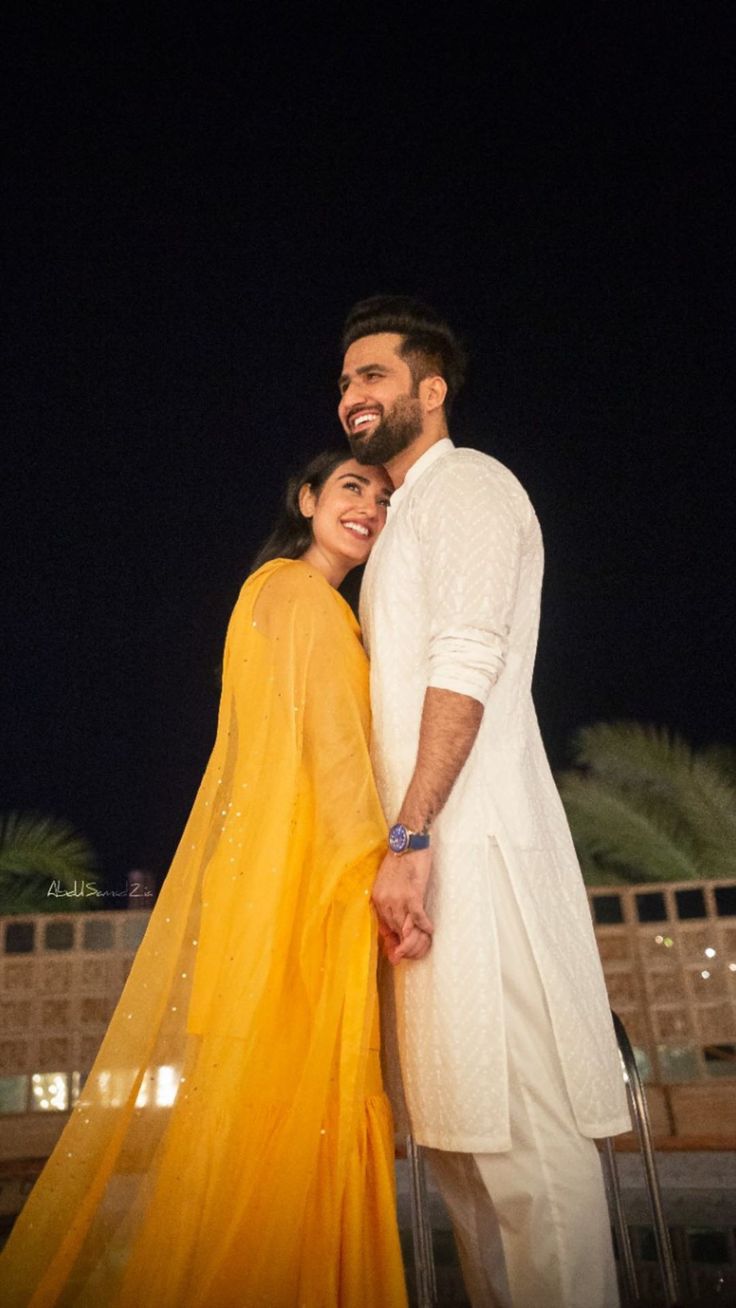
(470, 526)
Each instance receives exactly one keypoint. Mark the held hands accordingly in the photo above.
(413, 944)
(398, 898)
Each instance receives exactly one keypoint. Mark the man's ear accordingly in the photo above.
(433, 391)
(307, 501)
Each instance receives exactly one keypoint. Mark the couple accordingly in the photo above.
(233, 1144)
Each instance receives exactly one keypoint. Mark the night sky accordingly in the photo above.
(191, 205)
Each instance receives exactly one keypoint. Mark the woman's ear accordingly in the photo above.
(307, 501)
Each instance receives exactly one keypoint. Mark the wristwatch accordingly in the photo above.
(401, 839)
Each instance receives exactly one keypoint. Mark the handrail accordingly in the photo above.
(424, 1264)
(628, 1265)
(421, 1228)
(640, 1115)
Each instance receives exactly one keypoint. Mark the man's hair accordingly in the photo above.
(429, 345)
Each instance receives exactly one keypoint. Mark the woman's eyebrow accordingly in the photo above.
(356, 476)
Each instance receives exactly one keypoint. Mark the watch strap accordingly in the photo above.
(401, 839)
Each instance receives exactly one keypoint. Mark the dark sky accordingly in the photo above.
(191, 205)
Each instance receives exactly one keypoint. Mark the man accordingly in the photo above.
(508, 1056)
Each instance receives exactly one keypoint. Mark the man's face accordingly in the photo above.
(379, 407)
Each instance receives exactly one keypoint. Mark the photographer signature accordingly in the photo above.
(86, 889)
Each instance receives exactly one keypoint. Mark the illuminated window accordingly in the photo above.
(678, 1063)
(166, 1086)
(13, 1094)
(49, 1092)
(158, 1087)
(643, 1063)
(113, 1087)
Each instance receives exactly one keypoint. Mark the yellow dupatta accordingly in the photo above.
(251, 1005)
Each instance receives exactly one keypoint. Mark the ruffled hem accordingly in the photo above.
(199, 1238)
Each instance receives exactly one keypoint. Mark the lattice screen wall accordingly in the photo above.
(60, 978)
(669, 958)
(668, 952)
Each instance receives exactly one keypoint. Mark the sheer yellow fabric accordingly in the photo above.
(232, 1145)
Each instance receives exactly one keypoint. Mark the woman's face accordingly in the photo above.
(347, 514)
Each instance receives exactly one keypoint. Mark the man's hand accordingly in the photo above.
(413, 943)
(398, 897)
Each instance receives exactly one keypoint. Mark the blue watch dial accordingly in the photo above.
(398, 838)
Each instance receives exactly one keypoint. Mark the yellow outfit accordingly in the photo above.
(232, 1145)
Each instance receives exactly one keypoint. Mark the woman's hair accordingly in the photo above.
(292, 534)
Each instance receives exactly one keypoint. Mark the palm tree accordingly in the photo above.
(644, 806)
(36, 851)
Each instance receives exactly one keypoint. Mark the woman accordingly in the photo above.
(232, 1144)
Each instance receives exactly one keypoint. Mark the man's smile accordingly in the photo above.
(358, 419)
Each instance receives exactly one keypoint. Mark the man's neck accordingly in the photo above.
(398, 467)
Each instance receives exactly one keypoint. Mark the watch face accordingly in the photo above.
(398, 838)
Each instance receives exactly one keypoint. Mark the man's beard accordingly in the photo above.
(396, 430)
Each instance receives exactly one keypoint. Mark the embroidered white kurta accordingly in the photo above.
(451, 599)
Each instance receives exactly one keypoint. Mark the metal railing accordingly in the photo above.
(424, 1263)
(640, 1117)
(421, 1228)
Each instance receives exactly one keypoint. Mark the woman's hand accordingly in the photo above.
(412, 943)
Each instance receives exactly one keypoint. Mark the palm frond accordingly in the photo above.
(624, 832)
(32, 892)
(32, 844)
(722, 757)
(708, 803)
(598, 874)
(639, 759)
(633, 754)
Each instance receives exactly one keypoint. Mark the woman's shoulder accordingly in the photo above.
(292, 588)
(287, 579)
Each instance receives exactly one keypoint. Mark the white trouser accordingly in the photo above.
(531, 1225)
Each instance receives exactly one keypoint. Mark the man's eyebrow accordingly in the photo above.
(360, 372)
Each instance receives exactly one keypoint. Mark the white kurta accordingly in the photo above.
(451, 599)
